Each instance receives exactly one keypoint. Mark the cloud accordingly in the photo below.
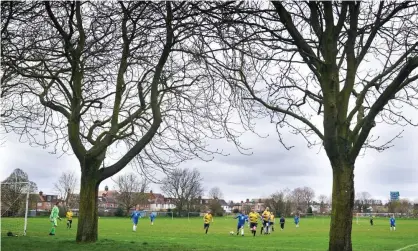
(42, 168)
(270, 168)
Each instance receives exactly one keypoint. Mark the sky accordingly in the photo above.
(269, 169)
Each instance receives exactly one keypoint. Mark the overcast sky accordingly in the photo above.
(270, 168)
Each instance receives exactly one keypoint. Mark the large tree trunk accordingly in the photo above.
(342, 207)
(88, 214)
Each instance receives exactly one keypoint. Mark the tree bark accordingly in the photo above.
(342, 207)
(88, 214)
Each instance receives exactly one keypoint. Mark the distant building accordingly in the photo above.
(157, 202)
(225, 206)
(43, 202)
(107, 200)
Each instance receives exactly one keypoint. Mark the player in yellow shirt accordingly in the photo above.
(271, 223)
(69, 217)
(266, 218)
(208, 218)
(253, 217)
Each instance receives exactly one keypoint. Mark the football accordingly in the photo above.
(231, 233)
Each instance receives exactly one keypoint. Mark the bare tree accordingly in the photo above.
(364, 196)
(298, 199)
(282, 202)
(131, 189)
(404, 206)
(362, 201)
(276, 202)
(13, 194)
(184, 185)
(113, 79)
(393, 206)
(215, 193)
(308, 194)
(10, 10)
(323, 199)
(329, 71)
(65, 186)
(323, 202)
(415, 208)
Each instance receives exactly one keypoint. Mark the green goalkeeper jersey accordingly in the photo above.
(54, 213)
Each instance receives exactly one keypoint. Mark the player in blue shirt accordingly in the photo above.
(135, 217)
(242, 218)
(296, 220)
(392, 223)
(152, 217)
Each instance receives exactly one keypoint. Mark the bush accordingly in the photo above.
(119, 212)
(235, 211)
(216, 208)
(63, 211)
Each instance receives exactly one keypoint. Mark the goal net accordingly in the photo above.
(14, 208)
(307, 215)
(364, 218)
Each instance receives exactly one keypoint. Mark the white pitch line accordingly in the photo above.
(406, 247)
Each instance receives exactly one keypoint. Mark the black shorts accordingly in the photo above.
(265, 222)
(206, 225)
(253, 225)
(70, 221)
(282, 225)
(271, 223)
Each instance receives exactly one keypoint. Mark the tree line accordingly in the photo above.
(156, 81)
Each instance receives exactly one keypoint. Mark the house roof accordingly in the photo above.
(44, 197)
(110, 193)
(107, 199)
(223, 203)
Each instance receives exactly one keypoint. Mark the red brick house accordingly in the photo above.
(43, 202)
(108, 200)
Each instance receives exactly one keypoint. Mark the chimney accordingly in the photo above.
(41, 193)
(150, 191)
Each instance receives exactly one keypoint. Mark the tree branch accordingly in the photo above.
(368, 122)
(280, 110)
(155, 106)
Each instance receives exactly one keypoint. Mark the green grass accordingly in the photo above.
(115, 234)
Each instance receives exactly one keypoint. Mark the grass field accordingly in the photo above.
(115, 234)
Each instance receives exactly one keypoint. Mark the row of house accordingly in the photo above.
(107, 201)
(156, 202)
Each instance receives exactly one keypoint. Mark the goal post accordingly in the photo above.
(167, 213)
(366, 216)
(193, 214)
(14, 199)
(308, 215)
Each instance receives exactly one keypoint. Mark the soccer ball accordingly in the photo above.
(231, 233)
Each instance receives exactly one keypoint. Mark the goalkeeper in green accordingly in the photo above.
(54, 217)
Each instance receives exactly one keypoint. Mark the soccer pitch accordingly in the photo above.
(116, 234)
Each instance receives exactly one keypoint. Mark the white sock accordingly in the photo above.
(394, 228)
(242, 231)
(134, 228)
